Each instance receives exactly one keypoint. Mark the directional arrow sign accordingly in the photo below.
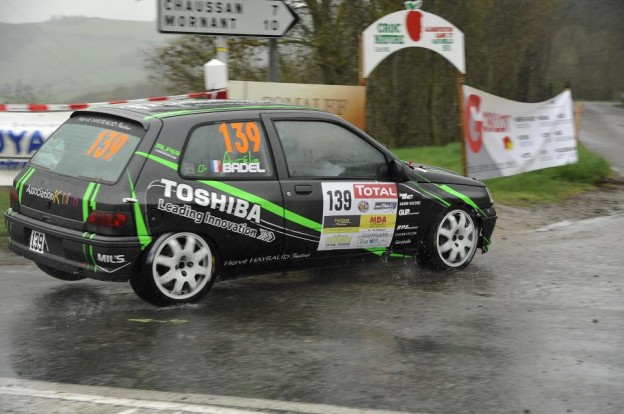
(260, 18)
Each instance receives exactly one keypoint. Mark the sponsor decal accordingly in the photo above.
(167, 151)
(264, 259)
(215, 201)
(56, 196)
(111, 258)
(338, 241)
(409, 203)
(266, 236)
(341, 222)
(406, 227)
(104, 122)
(378, 221)
(407, 241)
(344, 208)
(407, 212)
(406, 233)
(367, 241)
(184, 210)
(375, 190)
(217, 166)
(384, 205)
(405, 196)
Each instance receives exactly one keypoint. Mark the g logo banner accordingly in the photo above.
(473, 126)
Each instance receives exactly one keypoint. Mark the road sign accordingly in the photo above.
(259, 18)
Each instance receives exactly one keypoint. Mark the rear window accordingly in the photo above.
(90, 147)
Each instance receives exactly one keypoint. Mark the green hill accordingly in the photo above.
(72, 57)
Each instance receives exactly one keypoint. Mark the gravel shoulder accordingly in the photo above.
(607, 199)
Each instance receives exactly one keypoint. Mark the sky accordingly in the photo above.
(29, 11)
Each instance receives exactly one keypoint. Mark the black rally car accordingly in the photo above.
(171, 195)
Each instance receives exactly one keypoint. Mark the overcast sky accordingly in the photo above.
(27, 11)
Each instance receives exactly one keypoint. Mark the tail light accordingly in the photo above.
(14, 199)
(106, 222)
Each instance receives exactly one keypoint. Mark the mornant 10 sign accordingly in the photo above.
(259, 18)
(411, 28)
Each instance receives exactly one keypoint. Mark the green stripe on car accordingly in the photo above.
(22, 181)
(252, 198)
(142, 231)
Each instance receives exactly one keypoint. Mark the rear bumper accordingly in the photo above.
(91, 255)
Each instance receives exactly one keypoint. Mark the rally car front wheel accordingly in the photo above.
(179, 268)
(452, 240)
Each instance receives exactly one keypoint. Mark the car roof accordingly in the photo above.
(166, 109)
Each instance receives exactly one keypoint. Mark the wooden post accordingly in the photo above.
(361, 61)
(460, 88)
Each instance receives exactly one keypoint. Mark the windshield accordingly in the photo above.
(91, 147)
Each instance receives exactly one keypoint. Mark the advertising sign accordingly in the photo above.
(348, 102)
(266, 18)
(505, 137)
(411, 28)
(21, 134)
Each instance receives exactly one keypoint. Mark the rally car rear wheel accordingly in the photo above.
(452, 241)
(179, 268)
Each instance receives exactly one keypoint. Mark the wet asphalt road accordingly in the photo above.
(535, 326)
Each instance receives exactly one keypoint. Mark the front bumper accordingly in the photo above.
(488, 221)
(94, 256)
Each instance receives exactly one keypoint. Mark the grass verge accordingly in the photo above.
(549, 185)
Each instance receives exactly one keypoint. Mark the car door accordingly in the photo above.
(220, 183)
(338, 196)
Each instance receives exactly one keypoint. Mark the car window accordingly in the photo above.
(232, 149)
(325, 149)
(90, 147)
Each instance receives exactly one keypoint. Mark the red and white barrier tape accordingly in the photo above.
(216, 94)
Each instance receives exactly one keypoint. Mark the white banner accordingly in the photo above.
(21, 134)
(505, 137)
(411, 28)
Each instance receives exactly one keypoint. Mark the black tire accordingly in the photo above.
(451, 242)
(59, 274)
(178, 268)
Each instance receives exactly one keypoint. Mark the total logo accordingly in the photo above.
(375, 191)
(217, 166)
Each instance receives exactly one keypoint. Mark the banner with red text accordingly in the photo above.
(505, 137)
(411, 28)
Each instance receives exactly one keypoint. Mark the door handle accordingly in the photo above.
(303, 189)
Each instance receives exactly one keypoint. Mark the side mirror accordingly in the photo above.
(398, 171)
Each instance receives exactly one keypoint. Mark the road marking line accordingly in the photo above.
(167, 401)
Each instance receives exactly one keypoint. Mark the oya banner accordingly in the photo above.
(505, 137)
(21, 134)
